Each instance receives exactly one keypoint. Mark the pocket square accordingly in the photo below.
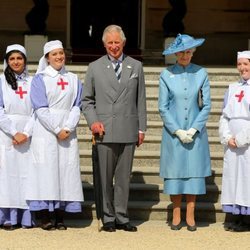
(134, 75)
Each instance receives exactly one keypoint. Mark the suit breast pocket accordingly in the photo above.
(133, 76)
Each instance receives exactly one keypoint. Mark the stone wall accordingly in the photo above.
(225, 24)
(13, 25)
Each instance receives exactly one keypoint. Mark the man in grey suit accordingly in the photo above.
(114, 104)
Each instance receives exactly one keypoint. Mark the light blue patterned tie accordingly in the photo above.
(118, 70)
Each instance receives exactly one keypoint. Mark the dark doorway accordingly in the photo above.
(89, 18)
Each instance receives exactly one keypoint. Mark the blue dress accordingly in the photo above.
(184, 166)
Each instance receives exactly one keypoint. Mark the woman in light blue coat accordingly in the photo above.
(184, 105)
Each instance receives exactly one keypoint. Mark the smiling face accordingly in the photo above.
(184, 57)
(243, 66)
(16, 62)
(114, 44)
(56, 58)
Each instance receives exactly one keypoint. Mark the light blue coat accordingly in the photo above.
(179, 91)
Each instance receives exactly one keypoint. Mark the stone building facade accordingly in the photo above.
(225, 24)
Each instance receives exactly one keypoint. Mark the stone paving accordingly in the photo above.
(155, 235)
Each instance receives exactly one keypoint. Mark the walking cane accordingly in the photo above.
(97, 181)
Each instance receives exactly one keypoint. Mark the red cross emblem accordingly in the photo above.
(62, 83)
(240, 96)
(20, 92)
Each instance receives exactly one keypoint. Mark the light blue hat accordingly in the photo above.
(181, 43)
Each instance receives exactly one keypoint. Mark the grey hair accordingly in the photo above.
(113, 28)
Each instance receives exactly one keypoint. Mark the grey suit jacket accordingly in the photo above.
(121, 107)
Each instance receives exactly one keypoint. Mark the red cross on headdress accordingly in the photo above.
(62, 83)
(20, 92)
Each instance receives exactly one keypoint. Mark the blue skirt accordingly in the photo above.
(236, 209)
(67, 206)
(15, 216)
(193, 186)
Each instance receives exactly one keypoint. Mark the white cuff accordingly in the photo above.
(66, 129)
(57, 130)
(192, 131)
(25, 133)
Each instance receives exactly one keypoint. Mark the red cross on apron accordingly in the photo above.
(62, 83)
(240, 96)
(20, 92)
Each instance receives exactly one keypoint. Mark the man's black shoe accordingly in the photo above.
(108, 227)
(126, 227)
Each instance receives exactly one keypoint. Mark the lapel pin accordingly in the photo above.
(129, 67)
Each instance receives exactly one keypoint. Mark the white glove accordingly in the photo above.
(191, 132)
(183, 136)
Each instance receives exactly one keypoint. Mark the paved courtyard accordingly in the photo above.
(153, 235)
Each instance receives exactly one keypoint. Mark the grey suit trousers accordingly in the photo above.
(116, 160)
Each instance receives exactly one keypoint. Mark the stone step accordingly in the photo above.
(228, 74)
(155, 210)
(154, 192)
(221, 83)
(148, 158)
(152, 87)
(216, 101)
(153, 114)
(216, 87)
(150, 175)
(139, 174)
(153, 128)
(216, 74)
(151, 143)
(215, 145)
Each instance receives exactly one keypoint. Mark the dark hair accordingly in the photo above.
(8, 72)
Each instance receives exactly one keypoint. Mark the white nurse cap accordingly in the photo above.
(11, 48)
(48, 47)
(244, 54)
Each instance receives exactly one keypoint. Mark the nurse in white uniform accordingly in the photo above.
(54, 179)
(16, 123)
(234, 133)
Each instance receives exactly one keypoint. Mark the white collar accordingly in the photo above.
(22, 76)
(50, 71)
(115, 60)
(243, 82)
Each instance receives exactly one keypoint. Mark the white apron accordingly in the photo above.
(15, 160)
(236, 169)
(55, 174)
